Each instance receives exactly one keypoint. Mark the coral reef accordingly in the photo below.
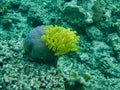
(95, 67)
(94, 33)
(75, 74)
(36, 48)
(60, 40)
(43, 41)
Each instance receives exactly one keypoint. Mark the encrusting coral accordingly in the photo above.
(60, 40)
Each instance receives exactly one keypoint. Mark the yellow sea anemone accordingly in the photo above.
(60, 40)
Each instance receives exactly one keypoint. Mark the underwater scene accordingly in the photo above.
(59, 44)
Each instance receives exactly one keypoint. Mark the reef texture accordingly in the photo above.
(96, 66)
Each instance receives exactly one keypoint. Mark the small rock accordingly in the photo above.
(94, 33)
(1, 62)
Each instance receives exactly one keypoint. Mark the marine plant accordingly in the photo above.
(60, 40)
